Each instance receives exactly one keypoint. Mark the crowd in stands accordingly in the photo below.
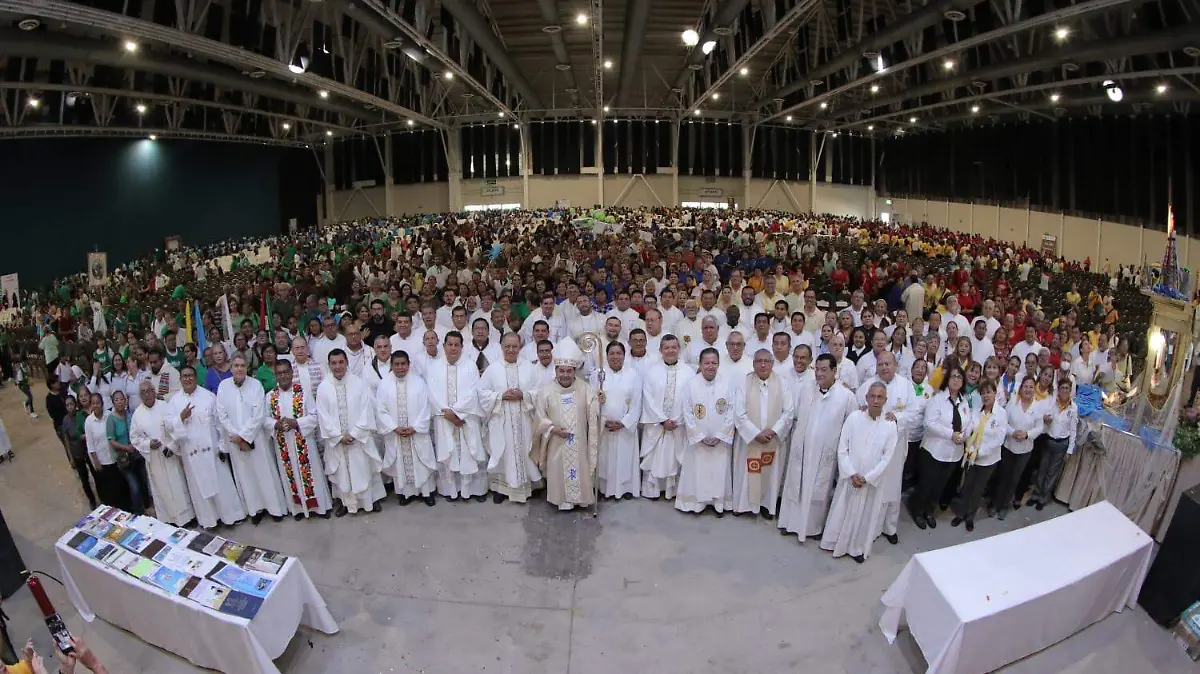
(827, 298)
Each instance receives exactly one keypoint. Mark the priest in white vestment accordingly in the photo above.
(481, 350)
(764, 411)
(663, 434)
(704, 473)
(735, 364)
(404, 416)
(864, 451)
(619, 390)
(821, 409)
(566, 432)
(241, 406)
(586, 319)
(457, 435)
(346, 418)
(168, 484)
(191, 422)
(291, 426)
(309, 372)
(506, 393)
(900, 407)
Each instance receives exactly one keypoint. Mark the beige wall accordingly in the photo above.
(1078, 238)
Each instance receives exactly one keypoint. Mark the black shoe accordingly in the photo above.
(1039, 507)
(1032, 501)
(970, 526)
(402, 500)
(817, 537)
(718, 514)
(943, 506)
(257, 518)
(767, 515)
(1016, 505)
(956, 521)
(627, 497)
(1000, 515)
(481, 498)
(919, 520)
(376, 508)
(892, 538)
(932, 523)
(277, 518)
(340, 511)
(430, 500)
(497, 498)
(298, 516)
(858, 558)
(327, 515)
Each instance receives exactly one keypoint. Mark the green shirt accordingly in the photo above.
(265, 376)
(177, 359)
(201, 371)
(104, 358)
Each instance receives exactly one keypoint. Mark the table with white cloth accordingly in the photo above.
(201, 635)
(978, 606)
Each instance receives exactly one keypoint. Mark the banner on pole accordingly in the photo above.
(97, 266)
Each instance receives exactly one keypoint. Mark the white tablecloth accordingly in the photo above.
(975, 607)
(201, 635)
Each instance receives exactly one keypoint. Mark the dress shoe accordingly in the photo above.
(892, 538)
(1039, 507)
(919, 520)
(970, 526)
(340, 511)
(256, 518)
(327, 515)
(402, 500)
(376, 508)
(429, 500)
(1032, 501)
(498, 498)
(816, 537)
(277, 518)
(481, 498)
(767, 516)
(298, 516)
(718, 514)
(858, 558)
(627, 497)
(1000, 515)
(956, 521)
(930, 521)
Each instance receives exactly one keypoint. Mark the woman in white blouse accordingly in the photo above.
(100, 454)
(1024, 426)
(1061, 418)
(922, 393)
(985, 435)
(1082, 368)
(946, 416)
(101, 382)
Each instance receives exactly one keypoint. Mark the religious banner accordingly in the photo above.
(1050, 245)
(172, 243)
(97, 268)
(11, 288)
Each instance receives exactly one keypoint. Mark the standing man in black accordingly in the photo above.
(378, 323)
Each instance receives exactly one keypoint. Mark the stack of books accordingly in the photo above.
(221, 574)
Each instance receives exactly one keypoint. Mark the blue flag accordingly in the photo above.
(201, 343)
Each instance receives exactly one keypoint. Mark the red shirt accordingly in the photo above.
(966, 303)
(840, 278)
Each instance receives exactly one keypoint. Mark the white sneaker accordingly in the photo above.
(33, 415)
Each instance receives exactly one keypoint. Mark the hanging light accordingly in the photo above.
(323, 94)
(141, 108)
(581, 18)
(744, 71)
(690, 37)
(1061, 33)
(707, 47)
(1115, 94)
(131, 46)
(299, 64)
(287, 127)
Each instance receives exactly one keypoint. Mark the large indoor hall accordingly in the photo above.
(582, 336)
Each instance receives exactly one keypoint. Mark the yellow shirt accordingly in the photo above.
(21, 667)
(1073, 298)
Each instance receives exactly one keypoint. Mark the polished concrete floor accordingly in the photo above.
(471, 588)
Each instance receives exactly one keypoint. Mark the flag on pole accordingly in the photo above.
(201, 343)
(187, 323)
(227, 319)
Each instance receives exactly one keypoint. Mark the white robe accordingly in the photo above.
(295, 494)
(491, 353)
(460, 452)
(310, 375)
(346, 407)
(358, 359)
(166, 382)
(704, 474)
(812, 457)
(620, 451)
(865, 449)
(593, 322)
(240, 411)
(210, 482)
(748, 428)
(662, 400)
(509, 426)
(902, 403)
(410, 462)
(168, 484)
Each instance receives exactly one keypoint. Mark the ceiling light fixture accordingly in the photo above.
(707, 47)
(581, 19)
(607, 64)
(299, 64)
(323, 94)
(824, 105)
(788, 118)
(696, 112)
(912, 120)
(411, 123)
(717, 96)
(501, 113)
(1061, 33)
(874, 88)
(744, 71)
(33, 102)
(1054, 97)
(691, 38)
(287, 127)
(131, 46)
(974, 109)
(606, 108)
(1160, 89)
(328, 132)
(448, 75)
(141, 108)
(870, 127)
(948, 64)
(153, 137)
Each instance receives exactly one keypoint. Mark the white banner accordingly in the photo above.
(97, 267)
(11, 288)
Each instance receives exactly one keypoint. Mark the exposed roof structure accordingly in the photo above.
(288, 71)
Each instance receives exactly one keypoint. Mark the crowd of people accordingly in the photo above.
(811, 370)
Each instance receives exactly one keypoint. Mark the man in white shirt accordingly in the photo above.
(857, 302)
(546, 312)
(769, 296)
(405, 339)
(763, 411)
(981, 344)
(988, 313)
(671, 314)
(747, 310)
(629, 316)
(654, 330)
(329, 340)
(709, 339)
(866, 364)
(708, 307)
(799, 333)
(814, 316)
(1028, 345)
(586, 320)
(913, 296)
(734, 364)
(951, 314)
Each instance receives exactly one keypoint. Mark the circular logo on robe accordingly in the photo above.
(722, 405)
(687, 339)
(699, 411)
(753, 465)
(768, 458)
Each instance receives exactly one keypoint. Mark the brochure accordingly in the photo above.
(169, 579)
(241, 605)
(263, 561)
(208, 593)
(142, 568)
(244, 581)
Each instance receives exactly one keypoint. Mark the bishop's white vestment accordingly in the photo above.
(210, 483)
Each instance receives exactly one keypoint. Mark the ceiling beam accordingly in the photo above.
(480, 30)
(167, 98)
(637, 19)
(724, 18)
(1080, 103)
(1031, 89)
(57, 46)
(127, 27)
(802, 9)
(60, 131)
(1099, 50)
(1049, 18)
(908, 25)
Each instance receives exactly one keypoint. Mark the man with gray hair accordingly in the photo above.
(710, 332)
(241, 411)
(763, 411)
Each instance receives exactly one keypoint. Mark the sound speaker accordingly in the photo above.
(12, 567)
(1173, 583)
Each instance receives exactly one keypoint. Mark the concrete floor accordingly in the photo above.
(471, 588)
